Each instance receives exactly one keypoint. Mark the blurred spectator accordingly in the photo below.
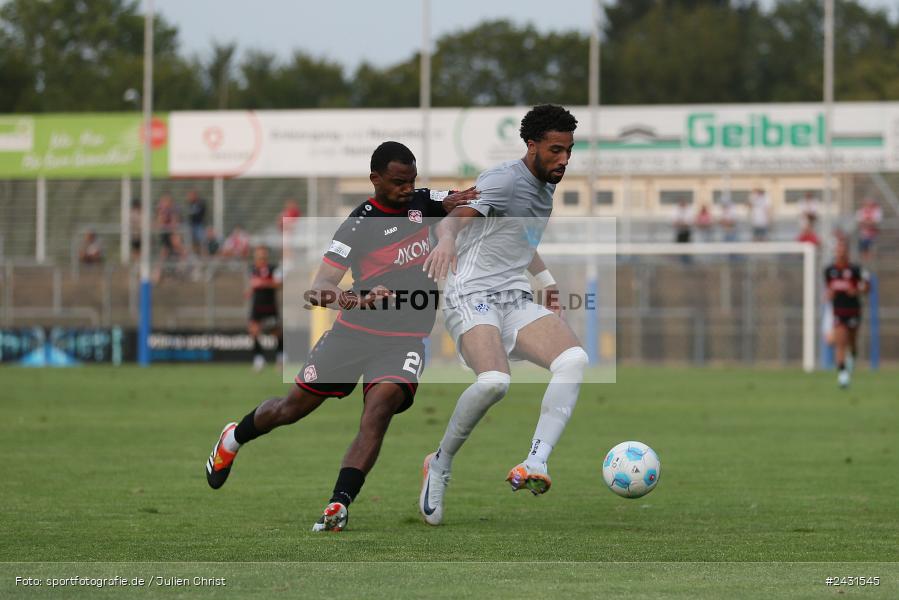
(91, 252)
(291, 210)
(178, 249)
(759, 214)
(212, 244)
(868, 219)
(171, 259)
(808, 234)
(682, 219)
(134, 219)
(196, 218)
(809, 208)
(237, 244)
(728, 220)
(704, 223)
(167, 220)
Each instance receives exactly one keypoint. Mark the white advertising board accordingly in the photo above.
(689, 139)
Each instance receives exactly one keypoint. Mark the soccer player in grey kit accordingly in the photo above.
(489, 307)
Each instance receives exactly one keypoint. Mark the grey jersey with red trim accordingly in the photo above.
(494, 251)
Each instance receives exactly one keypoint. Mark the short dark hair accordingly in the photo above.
(388, 152)
(543, 118)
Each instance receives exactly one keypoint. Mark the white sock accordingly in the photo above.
(540, 451)
(229, 442)
(558, 403)
(473, 404)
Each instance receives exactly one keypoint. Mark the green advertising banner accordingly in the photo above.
(79, 145)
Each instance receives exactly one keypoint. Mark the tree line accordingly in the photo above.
(71, 55)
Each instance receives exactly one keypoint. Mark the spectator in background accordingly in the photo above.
(286, 223)
(91, 251)
(291, 210)
(759, 215)
(237, 244)
(868, 219)
(212, 244)
(704, 223)
(809, 208)
(808, 234)
(167, 220)
(134, 220)
(728, 220)
(196, 218)
(682, 220)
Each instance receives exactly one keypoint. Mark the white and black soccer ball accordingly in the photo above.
(631, 469)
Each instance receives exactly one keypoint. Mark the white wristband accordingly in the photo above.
(544, 279)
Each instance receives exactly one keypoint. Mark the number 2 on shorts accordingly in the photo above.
(413, 363)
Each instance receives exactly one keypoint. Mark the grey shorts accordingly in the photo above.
(508, 311)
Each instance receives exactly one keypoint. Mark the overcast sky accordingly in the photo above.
(383, 32)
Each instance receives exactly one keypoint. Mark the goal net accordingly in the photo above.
(696, 304)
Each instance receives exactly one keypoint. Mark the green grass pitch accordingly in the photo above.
(771, 482)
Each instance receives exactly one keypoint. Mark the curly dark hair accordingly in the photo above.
(543, 118)
(389, 152)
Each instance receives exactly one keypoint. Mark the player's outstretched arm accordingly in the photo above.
(443, 256)
(459, 199)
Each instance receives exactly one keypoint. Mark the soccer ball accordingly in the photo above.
(631, 469)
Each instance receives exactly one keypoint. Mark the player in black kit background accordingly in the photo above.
(265, 281)
(378, 333)
(845, 282)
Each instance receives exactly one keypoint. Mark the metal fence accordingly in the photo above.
(737, 310)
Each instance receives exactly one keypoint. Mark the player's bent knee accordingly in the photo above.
(573, 358)
(570, 362)
(384, 399)
(494, 385)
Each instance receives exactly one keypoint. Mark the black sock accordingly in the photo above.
(246, 430)
(349, 482)
(841, 366)
(257, 347)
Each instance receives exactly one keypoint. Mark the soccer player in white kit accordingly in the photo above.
(489, 307)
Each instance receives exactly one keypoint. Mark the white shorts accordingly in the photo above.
(509, 311)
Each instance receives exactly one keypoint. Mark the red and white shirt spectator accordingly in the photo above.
(237, 244)
(869, 217)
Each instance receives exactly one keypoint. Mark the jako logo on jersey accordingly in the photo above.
(412, 251)
(481, 307)
(415, 216)
(309, 374)
(391, 230)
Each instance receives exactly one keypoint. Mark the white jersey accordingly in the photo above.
(494, 252)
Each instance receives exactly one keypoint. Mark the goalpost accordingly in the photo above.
(712, 249)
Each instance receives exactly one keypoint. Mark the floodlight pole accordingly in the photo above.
(425, 93)
(143, 346)
(826, 225)
(828, 121)
(592, 326)
(593, 100)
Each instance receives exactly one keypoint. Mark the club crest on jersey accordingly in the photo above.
(414, 251)
(415, 216)
(310, 374)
